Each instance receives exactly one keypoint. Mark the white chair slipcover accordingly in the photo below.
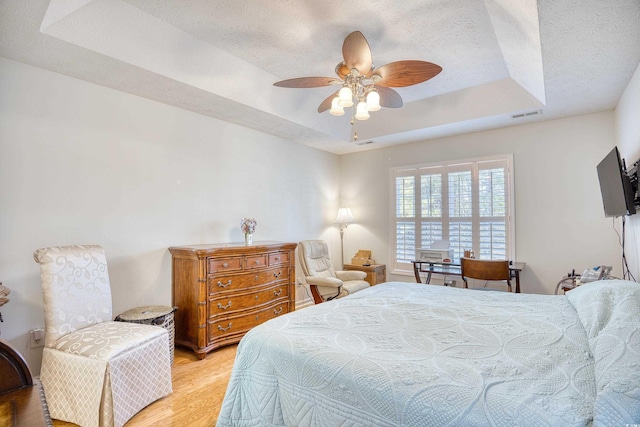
(95, 372)
(325, 282)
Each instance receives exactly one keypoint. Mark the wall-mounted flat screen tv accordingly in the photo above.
(615, 186)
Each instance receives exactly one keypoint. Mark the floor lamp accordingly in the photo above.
(344, 218)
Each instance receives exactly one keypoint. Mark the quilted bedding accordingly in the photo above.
(405, 354)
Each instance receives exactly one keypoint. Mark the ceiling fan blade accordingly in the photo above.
(389, 98)
(405, 73)
(307, 82)
(357, 53)
(326, 104)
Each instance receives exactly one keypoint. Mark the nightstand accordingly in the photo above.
(376, 273)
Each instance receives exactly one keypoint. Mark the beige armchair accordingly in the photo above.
(324, 282)
(95, 372)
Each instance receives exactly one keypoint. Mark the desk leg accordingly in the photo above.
(429, 276)
(416, 272)
(517, 281)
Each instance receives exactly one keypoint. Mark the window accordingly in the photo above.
(468, 203)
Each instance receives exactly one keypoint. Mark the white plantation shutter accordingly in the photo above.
(460, 210)
(493, 211)
(430, 208)
(468, 203)
(405, 209)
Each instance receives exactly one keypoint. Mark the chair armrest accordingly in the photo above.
(351, 275)
(330, 282)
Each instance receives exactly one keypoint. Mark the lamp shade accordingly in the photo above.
(361, 111)
(373, 101)
(345, 97)
(345, 216)
(336, 108)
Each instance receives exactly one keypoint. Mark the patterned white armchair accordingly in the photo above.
(324, 281)
(95, 372)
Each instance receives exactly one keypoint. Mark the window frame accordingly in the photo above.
(417, 170)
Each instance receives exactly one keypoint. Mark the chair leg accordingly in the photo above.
(317, 298)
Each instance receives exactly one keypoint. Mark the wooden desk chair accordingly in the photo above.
(485, 270)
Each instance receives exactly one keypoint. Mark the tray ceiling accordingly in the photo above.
(500, 58)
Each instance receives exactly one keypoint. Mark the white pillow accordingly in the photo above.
(610, 313)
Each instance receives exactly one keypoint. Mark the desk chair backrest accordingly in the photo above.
(485, 270)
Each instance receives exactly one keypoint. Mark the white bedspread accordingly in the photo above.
(405, 354)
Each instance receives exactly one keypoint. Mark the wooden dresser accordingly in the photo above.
(223, 290)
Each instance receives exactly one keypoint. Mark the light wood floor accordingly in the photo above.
(198, 390)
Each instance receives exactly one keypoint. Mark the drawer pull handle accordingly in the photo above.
(256, 277)
(277, 293)
(224, 285)
(224, 307)
(225, 264)
(277, 258)
(277, 311)
(278, 274)
(257, 262)
(220, 328)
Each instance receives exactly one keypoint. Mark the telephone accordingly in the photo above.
(572, 280)
(601, 272)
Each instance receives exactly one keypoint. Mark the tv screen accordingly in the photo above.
(615, 186)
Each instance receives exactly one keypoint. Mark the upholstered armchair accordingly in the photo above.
(95, 372)
(324, 281)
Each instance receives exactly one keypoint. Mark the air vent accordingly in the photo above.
(364, 142)
(527, 114)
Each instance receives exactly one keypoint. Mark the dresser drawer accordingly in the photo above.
(255, 261)
(222, 326)
(278, 258)
(235, 282)
(237, 302)
(220, 265)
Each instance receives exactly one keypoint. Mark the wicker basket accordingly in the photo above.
(156, 315)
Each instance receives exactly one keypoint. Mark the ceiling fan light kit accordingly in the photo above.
(363, 85)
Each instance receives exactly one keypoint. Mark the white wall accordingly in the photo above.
(560, 223)
(627, 114)
(80, 164)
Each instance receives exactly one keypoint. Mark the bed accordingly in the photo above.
(406, 354)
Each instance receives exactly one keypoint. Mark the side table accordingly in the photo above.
(376, 273)
(22, 399)
(156, 315)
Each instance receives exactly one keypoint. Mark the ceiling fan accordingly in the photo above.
(363, 84)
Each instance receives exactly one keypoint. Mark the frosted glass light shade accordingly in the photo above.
(336, 108)
(345, 216)
(361, 112)
(345, 97)
(373, 101)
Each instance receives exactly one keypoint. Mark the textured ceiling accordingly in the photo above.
(220, 58)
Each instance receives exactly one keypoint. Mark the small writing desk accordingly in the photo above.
(452, 269)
